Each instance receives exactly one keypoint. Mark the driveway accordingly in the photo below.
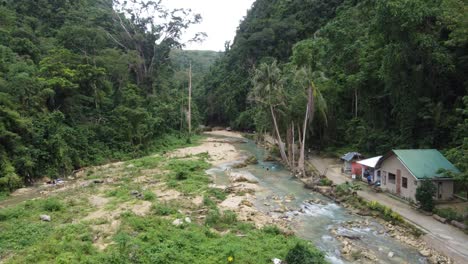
(444, 238)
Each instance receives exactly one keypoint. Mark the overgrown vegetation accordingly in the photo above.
(424, 195)
(87, 82)
(392, 74)
(211, 236)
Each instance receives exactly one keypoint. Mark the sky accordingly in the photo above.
(220, 20)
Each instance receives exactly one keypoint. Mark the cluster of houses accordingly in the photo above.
(401, 171)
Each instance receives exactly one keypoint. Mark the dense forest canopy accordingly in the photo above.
(393, 73)
(85, 81)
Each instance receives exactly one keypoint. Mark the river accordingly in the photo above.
(312, 215)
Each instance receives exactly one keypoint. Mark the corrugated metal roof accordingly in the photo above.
(424, 163)
(372, 162)
(350, 156)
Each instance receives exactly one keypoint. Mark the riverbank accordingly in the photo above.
(444, 239)
(162, 207)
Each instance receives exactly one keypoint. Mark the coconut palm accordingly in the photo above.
(268, 91)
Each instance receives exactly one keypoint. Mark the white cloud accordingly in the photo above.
(220, 20)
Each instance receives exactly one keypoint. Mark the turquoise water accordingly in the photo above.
(312, 215)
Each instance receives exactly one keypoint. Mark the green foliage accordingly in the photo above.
(448, 213)
(220, 220)
(424, 195)
(53, 205)
(392, 72)
(304, 254)
(149, 196)
(346, 188)
(72, 89)
(386, 212)
(325, 182)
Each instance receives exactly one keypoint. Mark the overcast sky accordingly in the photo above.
(220, 20)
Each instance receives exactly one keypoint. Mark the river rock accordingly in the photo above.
(425, 252)
(247, 203)
(390, 254)
(45, 218)
(178, 222)
(242, 177)
(277, 261)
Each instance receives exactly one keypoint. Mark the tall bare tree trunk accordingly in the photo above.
(293, 164)
(355, 103)
(309, 115)
(190, 102)
(278, 135)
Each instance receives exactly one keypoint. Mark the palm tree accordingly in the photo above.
(315, 102)
(268, 91)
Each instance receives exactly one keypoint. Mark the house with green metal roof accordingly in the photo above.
(402, 170)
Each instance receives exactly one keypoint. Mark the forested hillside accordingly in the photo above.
(391, 73)
(82, 83)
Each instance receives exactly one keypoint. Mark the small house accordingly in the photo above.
(403, 170)
(369, 165)
(350, 166)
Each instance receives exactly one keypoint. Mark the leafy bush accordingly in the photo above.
(325, 182)
(53, 205)
(149, 196)
(448, 213)
(271, 229)
(304, 254)
(346, 188)
(386, 212)
(163, 209)
(424, 195)
(181, 175)
(219, 220)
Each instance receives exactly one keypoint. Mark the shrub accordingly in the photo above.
(325, 182)
(149, 196)
(271, 229)
(181, 175)
(163, 209)
(219, 220)
(304, 254)
(52, 205)
(448, 213)
(424, 194)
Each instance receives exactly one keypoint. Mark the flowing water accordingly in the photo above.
(313, 215)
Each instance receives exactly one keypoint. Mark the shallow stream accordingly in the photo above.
(318, 215)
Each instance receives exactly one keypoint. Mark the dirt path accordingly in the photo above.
(443, 238)
(219, 150)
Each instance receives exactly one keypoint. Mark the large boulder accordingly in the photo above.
(242, 177)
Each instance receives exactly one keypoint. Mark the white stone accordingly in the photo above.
(45, 218)
(178, 222)
(277, 261)
(188, 220)
(391, 254)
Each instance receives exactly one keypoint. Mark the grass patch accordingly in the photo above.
(145, 240)
(188, 175)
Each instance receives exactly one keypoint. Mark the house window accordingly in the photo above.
(391, 178)
(404, 182)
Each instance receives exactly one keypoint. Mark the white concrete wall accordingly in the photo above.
(391, 165)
